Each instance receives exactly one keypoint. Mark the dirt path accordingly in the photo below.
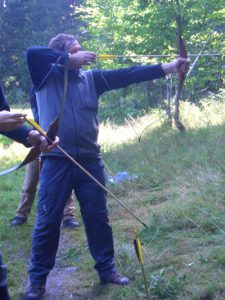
(63, 281)
(61, 284)
(69, 283)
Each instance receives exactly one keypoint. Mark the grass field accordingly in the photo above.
(178, 191)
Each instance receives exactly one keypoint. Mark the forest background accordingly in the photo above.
(117, 27)
(179, 178)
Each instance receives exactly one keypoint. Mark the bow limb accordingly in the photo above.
(54, 125)
(33, 153)
(181, 78)
(183, 54)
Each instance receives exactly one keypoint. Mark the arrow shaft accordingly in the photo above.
(101, 185)
(87, 173)
(145, 281)
(112, 56)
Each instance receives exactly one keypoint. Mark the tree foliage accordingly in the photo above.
(117, 27)
(25, 23)
(149, 27)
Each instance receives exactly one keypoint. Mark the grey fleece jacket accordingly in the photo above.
(78, 129)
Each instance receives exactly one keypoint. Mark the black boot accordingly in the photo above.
(115, 278)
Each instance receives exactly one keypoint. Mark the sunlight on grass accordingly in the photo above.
(207, 113)
(14, 153)
(111, 135)
(204, 115)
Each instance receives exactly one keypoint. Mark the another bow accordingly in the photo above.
(34, 151)
(51, 133)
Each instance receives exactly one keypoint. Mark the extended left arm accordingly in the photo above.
(107, 80)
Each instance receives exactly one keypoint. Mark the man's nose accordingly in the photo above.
(78, 47)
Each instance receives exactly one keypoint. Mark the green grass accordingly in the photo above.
(179, 193)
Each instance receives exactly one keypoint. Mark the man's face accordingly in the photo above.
(74, 47)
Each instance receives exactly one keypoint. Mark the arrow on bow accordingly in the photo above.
(50, 136)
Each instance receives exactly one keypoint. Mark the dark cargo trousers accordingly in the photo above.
(58, 178)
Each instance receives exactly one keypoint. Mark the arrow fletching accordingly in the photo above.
(138, 248)
(107, 56)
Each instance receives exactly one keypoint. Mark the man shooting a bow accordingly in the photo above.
(78, 133)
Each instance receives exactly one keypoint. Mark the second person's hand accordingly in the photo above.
(10, 121)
